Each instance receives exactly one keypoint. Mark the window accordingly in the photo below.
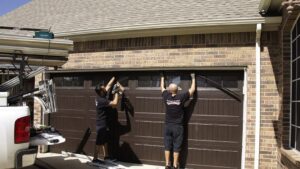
(295, 88)
(149, 81)
(104, 79)
(174, 79)
(153, 80)
(100, 80)
(69, 81)
(229, 79)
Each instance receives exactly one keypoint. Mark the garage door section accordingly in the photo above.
(213, 117)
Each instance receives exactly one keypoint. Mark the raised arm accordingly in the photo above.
(193, 86)
(162, 83)
(110, 83)
(115, 101)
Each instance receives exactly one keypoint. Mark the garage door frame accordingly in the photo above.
(244, 69)
(245, 108)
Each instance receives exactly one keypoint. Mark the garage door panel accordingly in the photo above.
(75, 134)
(150, 116)
(147, 128)
(91, 113)
(217, 107)
(68, 123)
(214, 145)
(148, 104)
(92, 103)
(202, 158)
(70, 112)
(70, 91)
(192, 143)
(149, 152)
(71, 102)
(217, 94)
(202, 155)
(214, 119)
(214, 132)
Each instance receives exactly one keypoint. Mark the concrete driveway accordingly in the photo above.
(59, 161)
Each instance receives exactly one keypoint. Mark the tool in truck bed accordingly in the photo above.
(23, 53)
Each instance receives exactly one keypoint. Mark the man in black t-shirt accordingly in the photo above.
(104, 106)
(173, 135)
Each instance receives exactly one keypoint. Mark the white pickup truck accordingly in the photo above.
(18, 139)
(15, 151)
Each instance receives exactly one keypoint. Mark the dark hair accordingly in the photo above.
(100, 90)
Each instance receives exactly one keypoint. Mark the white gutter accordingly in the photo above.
(29, 41)
(257, 94)
(185, 24)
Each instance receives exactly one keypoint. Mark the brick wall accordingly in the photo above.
(271, 92)
(206, 51)
(285, 160)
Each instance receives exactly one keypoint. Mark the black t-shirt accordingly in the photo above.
(174, 106)
(102, 108)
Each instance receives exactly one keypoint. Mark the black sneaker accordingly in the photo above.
(168, 167)
(97, 161)
(111, 159)
(176, 167)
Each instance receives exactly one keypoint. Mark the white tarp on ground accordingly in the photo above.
(63, 161)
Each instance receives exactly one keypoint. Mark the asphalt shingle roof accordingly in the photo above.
(78, 15)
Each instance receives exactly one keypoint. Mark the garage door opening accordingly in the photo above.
(214, 118)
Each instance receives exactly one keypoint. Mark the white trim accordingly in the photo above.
(147, 69)
(291, 84)
(297, 127)
(182, 24)
(245, 107)
(291, 81)
(257, 95)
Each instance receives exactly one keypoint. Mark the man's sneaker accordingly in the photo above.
(168, 167)
(176, 167)
(111, 159)
(97, 161)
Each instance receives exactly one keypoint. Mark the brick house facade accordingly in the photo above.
(224, 50)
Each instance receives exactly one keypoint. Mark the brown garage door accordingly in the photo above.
(213, 118)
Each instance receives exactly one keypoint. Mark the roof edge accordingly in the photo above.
(242, 67)
(236, 21)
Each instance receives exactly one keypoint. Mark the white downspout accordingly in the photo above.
(257, 95)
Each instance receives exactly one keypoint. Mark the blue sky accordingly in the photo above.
(9, 5)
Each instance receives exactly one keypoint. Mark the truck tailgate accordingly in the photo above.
(8, 117)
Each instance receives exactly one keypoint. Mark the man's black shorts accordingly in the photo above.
(101, 136)
(173, 137)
